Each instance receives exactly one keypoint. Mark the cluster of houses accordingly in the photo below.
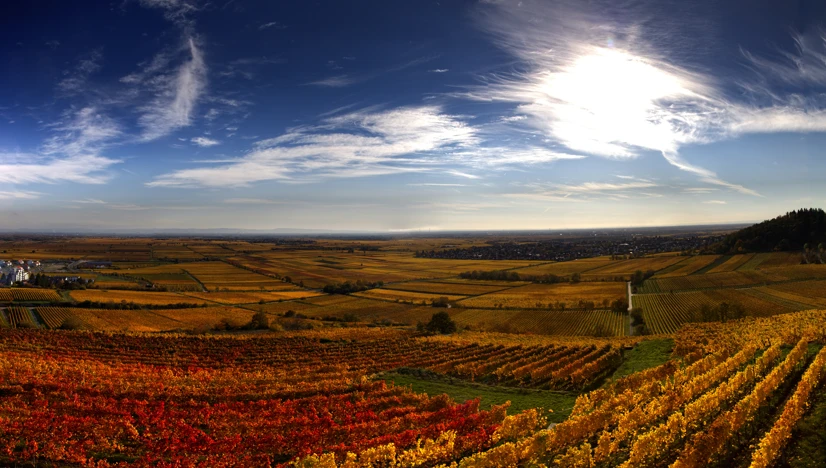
(17, 271)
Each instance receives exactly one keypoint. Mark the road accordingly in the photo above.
(630, 306)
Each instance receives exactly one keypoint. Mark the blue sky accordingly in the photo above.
(402, 115)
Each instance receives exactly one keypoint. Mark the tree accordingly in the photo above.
(636, 317)
(441, 323)
(619, 306)
(575, 278)
(260, 321)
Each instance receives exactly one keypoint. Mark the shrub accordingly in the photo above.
(72, 323)
(441, 323)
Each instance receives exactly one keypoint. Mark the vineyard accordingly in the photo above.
(175, 399)
(19, 317)
(665, 313)
(53, 317)
(28, 295)
(732, 394)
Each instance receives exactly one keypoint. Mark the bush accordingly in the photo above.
(72, 323)
(441, 323)
(260, 321)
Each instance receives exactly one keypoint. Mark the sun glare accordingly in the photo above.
(610, 99)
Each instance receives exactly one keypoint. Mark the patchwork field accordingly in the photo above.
(282, 277)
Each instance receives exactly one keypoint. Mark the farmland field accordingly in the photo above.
(138, 297)
(159, 319)
(250, 297)
(463, 289)
(19, 317)
(547, 295)
(405, 296)
(690, 265)
(665, 312)
(53, 317)
(28, 295)
(286, 279)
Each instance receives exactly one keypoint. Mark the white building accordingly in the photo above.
(19, 275)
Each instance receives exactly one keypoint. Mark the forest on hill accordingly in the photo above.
(795, 230)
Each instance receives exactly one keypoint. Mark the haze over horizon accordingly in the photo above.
(385, 116)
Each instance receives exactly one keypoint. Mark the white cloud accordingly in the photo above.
(81, 169)
(515, 155)
(714, 202)
(463, 174)
(205, 142)
(90, 201)
(358, 144)
(176, 94)
(18, 195)
(339, 81)
(588, 191)
(271, 24)
(439, 70)
(72, 155)
(85, 131)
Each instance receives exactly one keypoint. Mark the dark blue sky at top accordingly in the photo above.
(407, 115)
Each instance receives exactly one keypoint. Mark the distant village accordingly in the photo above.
(17, 271)
(29, 272)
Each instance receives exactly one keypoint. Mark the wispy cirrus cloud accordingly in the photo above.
(357, 144)
(588, 191)
(76, 79)
(339, 81)
(18, 195)
(176, 11)
(72, 154)
(271, 25)
(85, 131)
(176, 94)
(205, 142)
(88, 169)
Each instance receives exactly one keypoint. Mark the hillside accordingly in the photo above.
(791, 231)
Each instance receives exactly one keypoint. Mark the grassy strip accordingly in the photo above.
(647, 354)
(521, 399)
